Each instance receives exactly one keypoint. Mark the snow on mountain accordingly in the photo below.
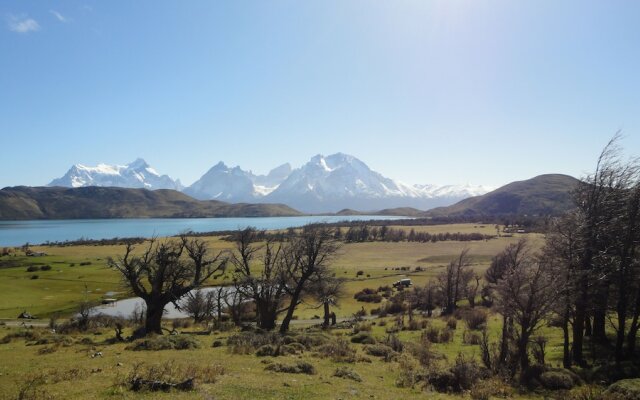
(137, 174)
(342, 181)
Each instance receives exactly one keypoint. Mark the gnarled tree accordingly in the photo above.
(166, 271)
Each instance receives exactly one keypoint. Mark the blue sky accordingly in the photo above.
(446, 91)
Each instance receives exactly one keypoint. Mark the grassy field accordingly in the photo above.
(67, 370)
(60, 289)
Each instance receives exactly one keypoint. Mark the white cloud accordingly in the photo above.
(23, 24)
(59, 16)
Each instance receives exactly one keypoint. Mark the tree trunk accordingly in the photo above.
(284, 327)
(622, 319)
(327, 315)
(504, 342)
(566, 353)
(266, 317)
(153, 321)
(523, 344)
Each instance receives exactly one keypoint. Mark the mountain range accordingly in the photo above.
(323, 184)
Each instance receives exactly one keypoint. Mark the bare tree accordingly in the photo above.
(327, 289)
(166, 271)
(454, 280)
(527, 294)
(307, 254)
(199, 304)
(261, 274)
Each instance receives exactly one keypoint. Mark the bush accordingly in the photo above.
(28, 335)
(559, 379)
(362, 327)
(486, 389)
(363, 338)
(437, 335)
(309, 341)
(45, 268)
(34, 277)
(473, 338)
(347, 373)
(172, 342)
(452, 324)
(381, 350)
(249, 342)
(217, 343)
(394, 342)
(409, 372)
(368, 296)
(626, 389)
(266, 350)
(82, 264)
(300, 367)
(475, 319)
(32, 268)
(338, 351)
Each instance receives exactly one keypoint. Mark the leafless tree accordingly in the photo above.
(307, 254)
(327, 289)
(166, 271)
(199, 304)
(453, 281)
(526, 294)
(261, 274)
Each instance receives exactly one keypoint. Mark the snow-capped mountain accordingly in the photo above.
(342, 181)
(236, 185)
(325, 184)
(137, 174)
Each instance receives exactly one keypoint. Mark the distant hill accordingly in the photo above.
(543, 195)
(400, 212)
(23, 203)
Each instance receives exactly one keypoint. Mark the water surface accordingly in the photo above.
(16, 233)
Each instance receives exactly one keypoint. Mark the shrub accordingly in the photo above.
(381, 350)
(368, 296)
(467, 372)
(32, 268)
(300, 367)
(293, 348)
(559, 379)
(625, 389)
(347, 373)
(309, 341)
(363, 338)
(486, 389)
(28, 335)
(587, 392)
(217, 343)
(266, 350)
(472, 338)
(82, 264)
(34, 277)
(360, 273)
(249, 342)
(394, 342)
(171, 342)
(437, 335)
(409, 372)
(45, 268)
(338, 351)
(475, 319)
(452, 324)
(362, 327)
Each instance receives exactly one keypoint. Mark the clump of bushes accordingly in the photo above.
(363, 338)
(626, 389)
(368, 296)
(299, 367)
(559, 379)
(381, 350)
(463, 375)
(170, 342)
(338, 350)
(249, 342)
(347, 373)
(29, 335)
(438, 335)
(475, 319)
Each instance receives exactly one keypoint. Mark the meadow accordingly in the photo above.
(38, 363)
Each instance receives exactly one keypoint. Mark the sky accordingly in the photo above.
(443, 92)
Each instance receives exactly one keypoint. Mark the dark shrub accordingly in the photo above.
(347, 373)
(363, 338)
(368, 296)
(437, 335)
(34, 277)
(381, 350)
(626, 389)
(300, 367)
(85, 263)
(473, 338)
(266, 350)
(32, 268)
(45, 268)
(174, 342)
(217, 343)
(476, 319)
(452, 324)
(338, 351)
(558, 379)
